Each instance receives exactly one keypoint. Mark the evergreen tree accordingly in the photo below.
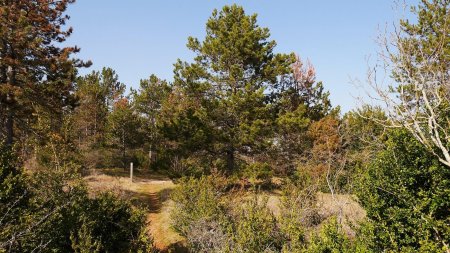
(234, 66)
(147, 103)
(36, 76)
(96, 92)
(13, 198)
(123, 128)
(298, 100)
(428, 38)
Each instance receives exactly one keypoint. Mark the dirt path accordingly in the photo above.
(150, 191)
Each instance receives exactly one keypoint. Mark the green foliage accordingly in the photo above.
(52, 210)
(12, 183)
(195, 199)
(405, 192)
(258, 172)
(204, 215)
(58, 150)
(332, 239)
(255, 228)
(296, 102)
(116, 224)
(299, 90)
(363, 129)
(237, 101)
(83, 241)
(221, 107)
(97, 93)
(13, 197)
(329, 239)
(200, 216)
(293, 120)
(120, 121)
(364, 137)
(419, 62)
(299, 212)
(183, 125)
(429, 33)
(147, 103)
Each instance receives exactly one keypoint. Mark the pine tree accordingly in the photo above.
(147, 103)
(225, 85)
(123, 128)
(97, 93)
(298, 100)
(428, 38)
(36, 76)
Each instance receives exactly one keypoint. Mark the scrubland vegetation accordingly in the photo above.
(241, 152)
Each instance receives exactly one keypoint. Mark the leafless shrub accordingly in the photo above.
(208, 236)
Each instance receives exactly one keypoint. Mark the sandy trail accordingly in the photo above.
(148, 190)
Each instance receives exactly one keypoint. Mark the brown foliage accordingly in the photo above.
(325, 134)
(36, 76)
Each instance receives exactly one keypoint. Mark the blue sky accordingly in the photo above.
(142, 37)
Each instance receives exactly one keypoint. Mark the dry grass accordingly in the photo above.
(343, 205)
(147, 190)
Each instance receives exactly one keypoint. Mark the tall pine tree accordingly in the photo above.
(36, 75)
(224, 89)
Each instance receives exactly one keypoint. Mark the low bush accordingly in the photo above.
(51, 211)
(199, 215)
(255, 228)
(210, 223)
(258, 172)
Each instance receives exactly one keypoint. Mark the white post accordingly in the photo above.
(131, 172)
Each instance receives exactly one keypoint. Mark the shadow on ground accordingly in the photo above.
(178, 247)
(152, 201)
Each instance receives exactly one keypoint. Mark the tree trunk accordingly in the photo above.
(9, 125)
(123, 150)
(230, 159)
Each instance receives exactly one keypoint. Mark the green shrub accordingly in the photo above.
(14, 199)
(199, 215)
(255, 228)
(83, 240)
(210, 223)
(258, 172)
(298, 213)
(54, 213)
(406, 193)
(115, 223)
(331, 239)
(195, 199)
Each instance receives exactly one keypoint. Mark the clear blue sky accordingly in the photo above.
(142, 37)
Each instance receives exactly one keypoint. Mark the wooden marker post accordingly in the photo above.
(131, 172)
